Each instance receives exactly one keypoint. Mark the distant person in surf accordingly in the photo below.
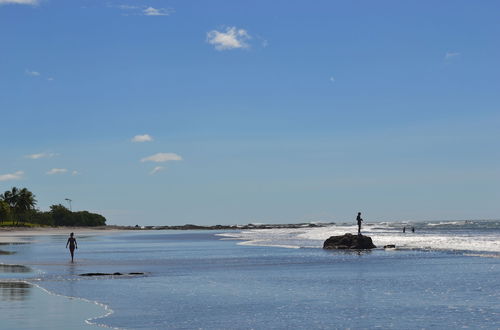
(72, 245)
(412, 229)
(359, 220)
(404, 229)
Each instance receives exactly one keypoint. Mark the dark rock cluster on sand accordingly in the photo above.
(349, 241)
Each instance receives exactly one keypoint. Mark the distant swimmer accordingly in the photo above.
(412, 229)
(359, 220)
(72, 245)
(404, 229)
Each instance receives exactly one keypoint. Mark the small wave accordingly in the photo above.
(263, 243)
(479, 237)
(484, 255)
(447, 223)
(89, 321)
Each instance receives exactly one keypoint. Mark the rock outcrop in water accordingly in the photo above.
(110, 274)
(349, 241)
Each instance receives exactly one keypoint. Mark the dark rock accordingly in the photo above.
(389, 246)
(109, 274)
(349, 241)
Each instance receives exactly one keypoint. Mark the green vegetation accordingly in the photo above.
(17, 208)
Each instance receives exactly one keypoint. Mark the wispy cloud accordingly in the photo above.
(12, 176)
(231, 38)
(332, 79)
(127, 7)
(34, 73)
(162, 157)
(129, 10)
(142, 138)
(57, 171)
(75, 173)
(41, 155)
(450, 55)
(19, 2)
(31, 72)
(156, 170)
(150, 11)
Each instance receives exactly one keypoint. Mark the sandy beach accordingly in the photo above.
(20, 234)
(47, 310)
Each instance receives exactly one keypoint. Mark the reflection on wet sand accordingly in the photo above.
(14, 269)
(14, 291)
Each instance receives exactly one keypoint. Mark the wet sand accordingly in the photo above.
(21, 235)
(26, 306)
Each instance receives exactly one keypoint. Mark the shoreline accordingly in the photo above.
(27, 293)
(12, 235)
(15, 234)
(22, 294)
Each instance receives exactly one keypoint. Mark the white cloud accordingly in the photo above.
(142, 138)
(450, 55)
(127, 7)
(129, 10)
(57, 171)
(150, 11)
(232, 38)
(162, 157)
(50, 79)
(75, 173)
(12, 176)
(332, 79)
(19, 2)
(156, 170)
(41, 155)
(30, 72)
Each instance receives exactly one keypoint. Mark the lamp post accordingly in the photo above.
(69, 201)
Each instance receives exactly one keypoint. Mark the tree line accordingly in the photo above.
(18, 207)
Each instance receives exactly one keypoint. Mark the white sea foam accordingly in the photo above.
(432, 238)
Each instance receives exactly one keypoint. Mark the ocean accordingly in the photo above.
(444, 275)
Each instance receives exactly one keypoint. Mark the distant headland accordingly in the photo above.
(222, 227)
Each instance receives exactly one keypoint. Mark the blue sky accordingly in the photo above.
(225, 112)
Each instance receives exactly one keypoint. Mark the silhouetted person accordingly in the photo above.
(72, 245)
(404, 229)
(359, 220)
(412, 229)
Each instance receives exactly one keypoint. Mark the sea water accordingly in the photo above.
(445, 275)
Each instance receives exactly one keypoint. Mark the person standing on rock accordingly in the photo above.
(359, 220)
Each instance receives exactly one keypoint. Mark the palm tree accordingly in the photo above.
(4, 210)
(10, 196)
(26, 201)
(20, 201)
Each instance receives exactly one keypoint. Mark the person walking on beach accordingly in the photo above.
(72, 245)
(359, 220)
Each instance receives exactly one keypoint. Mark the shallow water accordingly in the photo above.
(196, 280)
(25, 306)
